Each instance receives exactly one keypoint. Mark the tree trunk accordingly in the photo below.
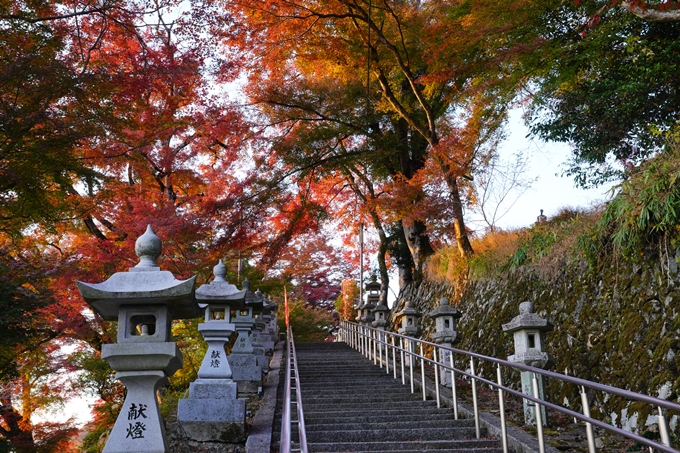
(462, 240)
(419, 244)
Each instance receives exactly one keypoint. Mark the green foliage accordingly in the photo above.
(644, 214)
(541, 240)
(308, 324)
(610, 81)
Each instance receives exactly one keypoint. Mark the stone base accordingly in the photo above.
(268, 346)
(246, 373)
(246, 388)
(221, 389)
(220, 420)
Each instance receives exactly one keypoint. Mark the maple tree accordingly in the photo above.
(309, 70)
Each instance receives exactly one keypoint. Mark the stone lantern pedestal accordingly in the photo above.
(212, 412)
(144, 300)
(529, 330)
(445, 317)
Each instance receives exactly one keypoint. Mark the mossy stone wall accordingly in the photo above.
(618, 325)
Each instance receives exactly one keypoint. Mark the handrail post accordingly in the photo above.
(375, 347)
(663, 429)
(539, 415)
(394, 356)
(501, 409)
(436, 375)
(401, 351)
(454, 393)
(422, 371)
(475, 406)
(410, 363)
(589, 427)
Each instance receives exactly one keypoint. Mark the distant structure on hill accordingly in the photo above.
(541, 218)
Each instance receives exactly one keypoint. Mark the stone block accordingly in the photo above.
(164, 356)
(216, 420)
(213, 389)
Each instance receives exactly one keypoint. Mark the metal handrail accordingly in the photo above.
(286, 419)
(368, 339)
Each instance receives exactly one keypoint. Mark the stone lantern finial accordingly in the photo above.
(220, 271)
(148, 248)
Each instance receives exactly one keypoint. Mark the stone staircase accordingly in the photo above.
(351, 405)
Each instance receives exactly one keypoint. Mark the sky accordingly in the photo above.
(551, 191)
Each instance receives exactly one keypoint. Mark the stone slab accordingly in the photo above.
(213, 389)
(218, 420)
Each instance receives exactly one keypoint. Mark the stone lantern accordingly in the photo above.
(445, 317)
(372, 298)
(212, 412)
(269, 335)
(409, 320)
(245, 370)
(380, 317)
(144, 301)
(256, 301)
(409, 326)
(529, 331)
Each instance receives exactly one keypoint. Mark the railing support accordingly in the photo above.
(454, 393)
(475, 406)
(422, 372)
(436, 375)
(501, 410)
(539, 415)
(589, 427)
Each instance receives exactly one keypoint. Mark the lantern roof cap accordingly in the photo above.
(527, 319)
(144, 284)
(220, 291)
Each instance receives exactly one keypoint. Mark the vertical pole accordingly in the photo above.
(422, 371)
(410, 362)
(401, 351)
(539, 416)
(387, 355)
(374, 336)
(478, 432)
(454, 393)
(663, 429)
(501, 409)
(589, 427)
(436, 374)
(361, 263)
(394, 358)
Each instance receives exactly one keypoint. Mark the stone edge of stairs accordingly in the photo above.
(260, 437)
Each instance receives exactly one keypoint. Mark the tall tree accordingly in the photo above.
(313, 62)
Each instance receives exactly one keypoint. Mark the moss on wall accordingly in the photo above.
(617, 325)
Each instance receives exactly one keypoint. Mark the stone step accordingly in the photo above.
(360, 398)
(384, 426)
(395, 435)
(359, 407)
(341, 417)
(458, 446)
(351, 416)
(376, 412)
